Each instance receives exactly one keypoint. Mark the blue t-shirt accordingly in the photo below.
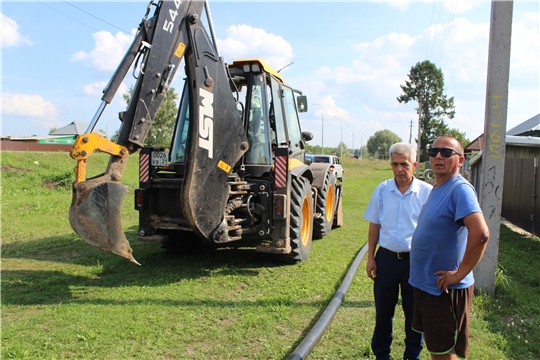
(440, 238)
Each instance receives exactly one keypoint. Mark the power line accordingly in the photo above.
(430, 30)
(447, 30)
(438, 18)
(58, 11)
(108, 23)
(468, 128)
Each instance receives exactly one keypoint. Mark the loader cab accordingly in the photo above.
(270, 113)
(269, 110)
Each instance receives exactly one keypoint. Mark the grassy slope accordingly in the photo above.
(61, 298)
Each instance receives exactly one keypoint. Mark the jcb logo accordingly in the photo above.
(206, 122)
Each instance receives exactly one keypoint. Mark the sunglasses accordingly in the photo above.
(445, 152)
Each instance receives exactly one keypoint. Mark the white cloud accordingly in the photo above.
(378, 69)
(108, 50)
(244, 41)
(374, 76)
(461, 49)
(10, 33)
(531, 16)
(28, 105)
(331, 110)
(525, 47)
(460, 6)
(402, 5)
(95, 88)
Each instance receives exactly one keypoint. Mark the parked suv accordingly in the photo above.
(335, 164)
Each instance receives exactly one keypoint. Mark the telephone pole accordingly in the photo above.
(494, 151)
(419, 133)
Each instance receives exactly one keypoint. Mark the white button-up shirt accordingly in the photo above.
(397, 213)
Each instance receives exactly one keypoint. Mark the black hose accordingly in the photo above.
(306, 346)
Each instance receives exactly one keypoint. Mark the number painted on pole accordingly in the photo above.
(206, 122)
(168, 25)
(495, 137)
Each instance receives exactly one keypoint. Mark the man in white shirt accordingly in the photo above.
(393, 214)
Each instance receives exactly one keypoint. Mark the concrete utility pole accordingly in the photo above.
(361, 145)
(494, 151)
(353, 149)
(322, 128)
(341, 139)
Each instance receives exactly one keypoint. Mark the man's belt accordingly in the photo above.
(399, 255)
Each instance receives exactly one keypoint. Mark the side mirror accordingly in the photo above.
(307, 136)
(301, 103)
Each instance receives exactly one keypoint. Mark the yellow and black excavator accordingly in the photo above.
(235, 172)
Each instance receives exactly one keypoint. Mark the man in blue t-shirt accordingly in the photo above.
(449, 241)
(393, 213)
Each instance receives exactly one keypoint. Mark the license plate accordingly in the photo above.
(160, 158)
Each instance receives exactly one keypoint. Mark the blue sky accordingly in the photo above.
(349, 57)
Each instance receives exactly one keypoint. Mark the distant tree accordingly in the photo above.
(460, 135)
(342, 150)
(316, 149)
(162, 128)
(381, 141)
(363, 153)
(426, 87)
(312, 149)
(114, 136)
(52, 130)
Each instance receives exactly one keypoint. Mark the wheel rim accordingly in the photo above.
(329, 210)
(306, 216)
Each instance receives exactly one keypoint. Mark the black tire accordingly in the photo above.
(301, 218)
(326, 206)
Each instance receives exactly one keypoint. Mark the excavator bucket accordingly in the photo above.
(95, 213)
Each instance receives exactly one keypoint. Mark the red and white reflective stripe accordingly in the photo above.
(144, 167)
(281, 171)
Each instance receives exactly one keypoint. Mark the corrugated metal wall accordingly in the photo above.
(521, 205)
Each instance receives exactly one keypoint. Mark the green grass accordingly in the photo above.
(63, 299)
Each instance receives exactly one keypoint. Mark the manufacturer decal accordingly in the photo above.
(206, 122)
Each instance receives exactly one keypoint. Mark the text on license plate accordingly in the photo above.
(160, 158)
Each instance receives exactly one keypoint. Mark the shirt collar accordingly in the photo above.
(414, 187)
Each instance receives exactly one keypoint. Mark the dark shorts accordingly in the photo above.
(444, 320)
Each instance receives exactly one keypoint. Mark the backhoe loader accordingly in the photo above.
(235, 171)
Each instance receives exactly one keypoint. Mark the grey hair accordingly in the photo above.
(402, 148)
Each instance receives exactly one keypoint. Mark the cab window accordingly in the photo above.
(291, 118)
(277, 114)
(258, 137)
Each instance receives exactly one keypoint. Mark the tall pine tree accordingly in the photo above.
(426, 87)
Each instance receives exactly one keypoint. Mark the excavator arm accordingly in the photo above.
(173, 33)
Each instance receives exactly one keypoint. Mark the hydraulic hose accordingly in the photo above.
(306, 346)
